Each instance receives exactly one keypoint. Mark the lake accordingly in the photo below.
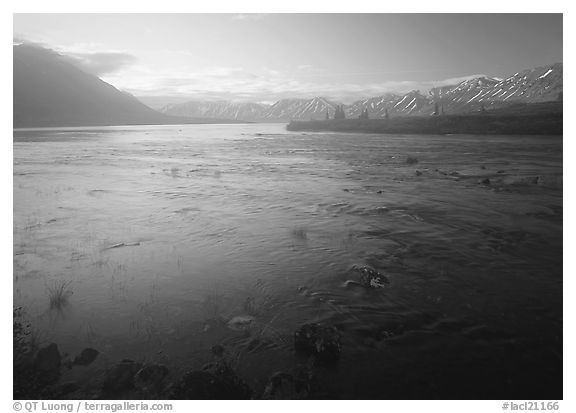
(160, 235)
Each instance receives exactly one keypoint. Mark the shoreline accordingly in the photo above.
(532, 119)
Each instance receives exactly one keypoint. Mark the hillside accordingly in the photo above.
(50, 91)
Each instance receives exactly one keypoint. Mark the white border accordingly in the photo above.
(268, 6)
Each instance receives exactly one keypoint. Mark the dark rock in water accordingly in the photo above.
(151, 376)
(411, 161)
(369, 277)
(280, 387)
(485, 181)
(48, 360)
(286, 386)
(482, 167)
(86, 357)
(322, 342)
(60, 390)
(217, 350)
(241, 322)
(214, 382)
(195, 385)
(418, 173)
(121, 377)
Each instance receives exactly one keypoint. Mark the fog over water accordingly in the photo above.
(163, 234)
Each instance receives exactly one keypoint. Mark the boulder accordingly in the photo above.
(151, 377)
(214, 382)
(86, 357)
(60, 390)
(217, 350)
(48, 360)
(321, 342)
(241, 322)
(121, 377)
(370, 278)
(287, 386)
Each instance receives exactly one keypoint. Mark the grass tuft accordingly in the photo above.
(59, 293)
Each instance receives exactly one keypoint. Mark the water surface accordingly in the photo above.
(164, 233)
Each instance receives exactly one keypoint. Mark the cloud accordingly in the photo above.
(89, 57)
(248, 16)
(233, 83)
(19, 39)
(309, 69)
(450, 81)
(122, 70)
(101, 63)
(93, 58)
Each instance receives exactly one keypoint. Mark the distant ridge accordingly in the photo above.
(50, 91)
(542, 84)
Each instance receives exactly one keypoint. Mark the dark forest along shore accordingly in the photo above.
(543, 118)
(289, 265)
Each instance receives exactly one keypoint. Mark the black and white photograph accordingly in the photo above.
(287, 206)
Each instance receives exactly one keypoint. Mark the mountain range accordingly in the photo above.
(49, 90)
(542, 84)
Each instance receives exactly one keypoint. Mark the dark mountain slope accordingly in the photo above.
(50, 91)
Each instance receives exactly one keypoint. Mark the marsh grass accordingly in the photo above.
(213, 305)
(59, 293)
(300, 234)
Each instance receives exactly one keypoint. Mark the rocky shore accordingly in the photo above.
(39, 369)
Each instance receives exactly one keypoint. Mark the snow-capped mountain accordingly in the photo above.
(376, 106)
(301, 109)
(541, 84)
(411, 103)
(283, 110)
(465, 95)
(218, 109)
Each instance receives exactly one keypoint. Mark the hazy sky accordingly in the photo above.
(265, 57)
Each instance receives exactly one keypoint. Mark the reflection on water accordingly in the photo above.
(165, 235)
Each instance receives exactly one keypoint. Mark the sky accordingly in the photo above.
(267, 57)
